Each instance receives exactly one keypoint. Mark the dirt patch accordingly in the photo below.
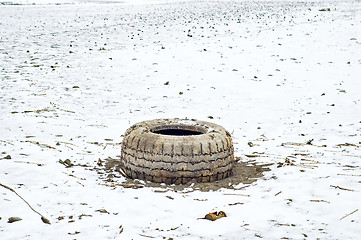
(245, 172)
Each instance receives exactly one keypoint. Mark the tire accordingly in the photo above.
(176, 151)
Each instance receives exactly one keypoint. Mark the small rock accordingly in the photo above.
(67, 163)
(100, 162)
(45, 220)
(7, 157)
(14, 219)
(102, 211)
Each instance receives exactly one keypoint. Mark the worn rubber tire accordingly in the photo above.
(176, 151)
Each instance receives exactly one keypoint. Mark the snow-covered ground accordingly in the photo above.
(284, 77)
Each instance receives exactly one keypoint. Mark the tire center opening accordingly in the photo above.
(178, 130)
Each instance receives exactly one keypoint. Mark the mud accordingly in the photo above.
(244, 173)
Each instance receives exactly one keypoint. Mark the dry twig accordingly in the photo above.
(44, 219)
(338, 187)
(349, 214)
(237, 194)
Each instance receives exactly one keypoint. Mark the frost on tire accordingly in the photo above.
(176, 151)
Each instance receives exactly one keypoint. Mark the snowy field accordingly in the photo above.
(284, 77)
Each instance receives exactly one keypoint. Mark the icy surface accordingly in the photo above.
(284, 77)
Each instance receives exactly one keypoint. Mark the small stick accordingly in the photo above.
(316, 200)
(349, 214)
(278, 193)
(44, 219)
(352, 175)
(341, 188)
(146, 236)
(237, 194)
(123, 173)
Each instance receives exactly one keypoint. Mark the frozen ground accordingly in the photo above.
(282, 76)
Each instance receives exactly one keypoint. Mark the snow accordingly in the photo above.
(278, 74)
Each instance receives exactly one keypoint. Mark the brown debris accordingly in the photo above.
(214, 216)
